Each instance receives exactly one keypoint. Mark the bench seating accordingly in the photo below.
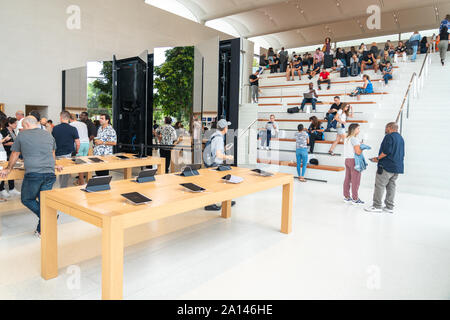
(317, 103)
(320, 95)
(307, 83)
(293, 140)
(307, 120)
(310, 166)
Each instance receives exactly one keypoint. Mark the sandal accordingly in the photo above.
(3, 200)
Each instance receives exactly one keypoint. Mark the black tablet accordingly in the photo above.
(122, 157)
(263, 173)
(136, 198)
(78, 161)
(192, 187)
(96, 160)
(147, 173)
(99, 183)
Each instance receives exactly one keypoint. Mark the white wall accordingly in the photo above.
(76, 87)
(209, 51)
(36, 44)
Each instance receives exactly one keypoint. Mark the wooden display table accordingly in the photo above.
(110, 163)
(110, 211)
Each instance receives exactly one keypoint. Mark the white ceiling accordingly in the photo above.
(295, 23)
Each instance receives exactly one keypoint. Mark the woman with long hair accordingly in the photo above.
(424, 45)
(365, 89)
(327, 45)
(352, 146)
(339, 122)
(7, 136)
(315, 132)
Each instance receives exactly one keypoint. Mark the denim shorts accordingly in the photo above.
(340, 130)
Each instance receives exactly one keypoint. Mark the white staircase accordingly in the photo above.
(371, 111)
(427, 149)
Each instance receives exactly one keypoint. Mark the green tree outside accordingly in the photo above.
(174, 85)
(100, 92)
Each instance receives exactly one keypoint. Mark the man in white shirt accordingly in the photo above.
(84, 141)
(197, 137)
(19, 116)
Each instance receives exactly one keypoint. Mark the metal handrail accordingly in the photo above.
(406, 96)
(414, 75)
(248, 128)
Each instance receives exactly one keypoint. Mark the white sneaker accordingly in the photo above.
(385, 209)
(373, 209)
(4, 194)
(14, 192)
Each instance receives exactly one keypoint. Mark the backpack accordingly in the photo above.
(208, 157)
(293, 110)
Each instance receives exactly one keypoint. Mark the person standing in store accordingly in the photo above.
(105, 141)
(443, 44)
(67, 142)
(390, 162)
(37, 148)
(254, 85)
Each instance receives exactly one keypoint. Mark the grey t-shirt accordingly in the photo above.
(36, 147)
(301, 140)
(217, 144)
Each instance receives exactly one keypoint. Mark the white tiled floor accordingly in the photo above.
(335, 251)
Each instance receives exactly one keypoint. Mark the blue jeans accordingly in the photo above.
(269, 137)
(33, 184)
(302, 157)
(360, 90)
(414, 55)
(309, 100)
(330, 118)
(387, 77)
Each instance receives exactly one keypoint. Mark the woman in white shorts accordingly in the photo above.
(340, 121)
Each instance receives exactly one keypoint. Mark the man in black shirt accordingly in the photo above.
(254, 86)
(335, 107)
(370, 61)
(390, 162)
(92, 129)
(67, 142)
(400, 52)
(274, 65)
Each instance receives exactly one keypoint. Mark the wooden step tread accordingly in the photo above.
(306, 84)
(283, 75)
(320, 95)
(293, 164)
(317, 103)
(293, 140)
(307, 120)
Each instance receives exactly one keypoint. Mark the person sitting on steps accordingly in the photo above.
(324, 77)
(331, 114)
(339, 123)
(311, 99)
(365, 89)
(387, 73)
(369, 61)
(315, 132)
(294, 67)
